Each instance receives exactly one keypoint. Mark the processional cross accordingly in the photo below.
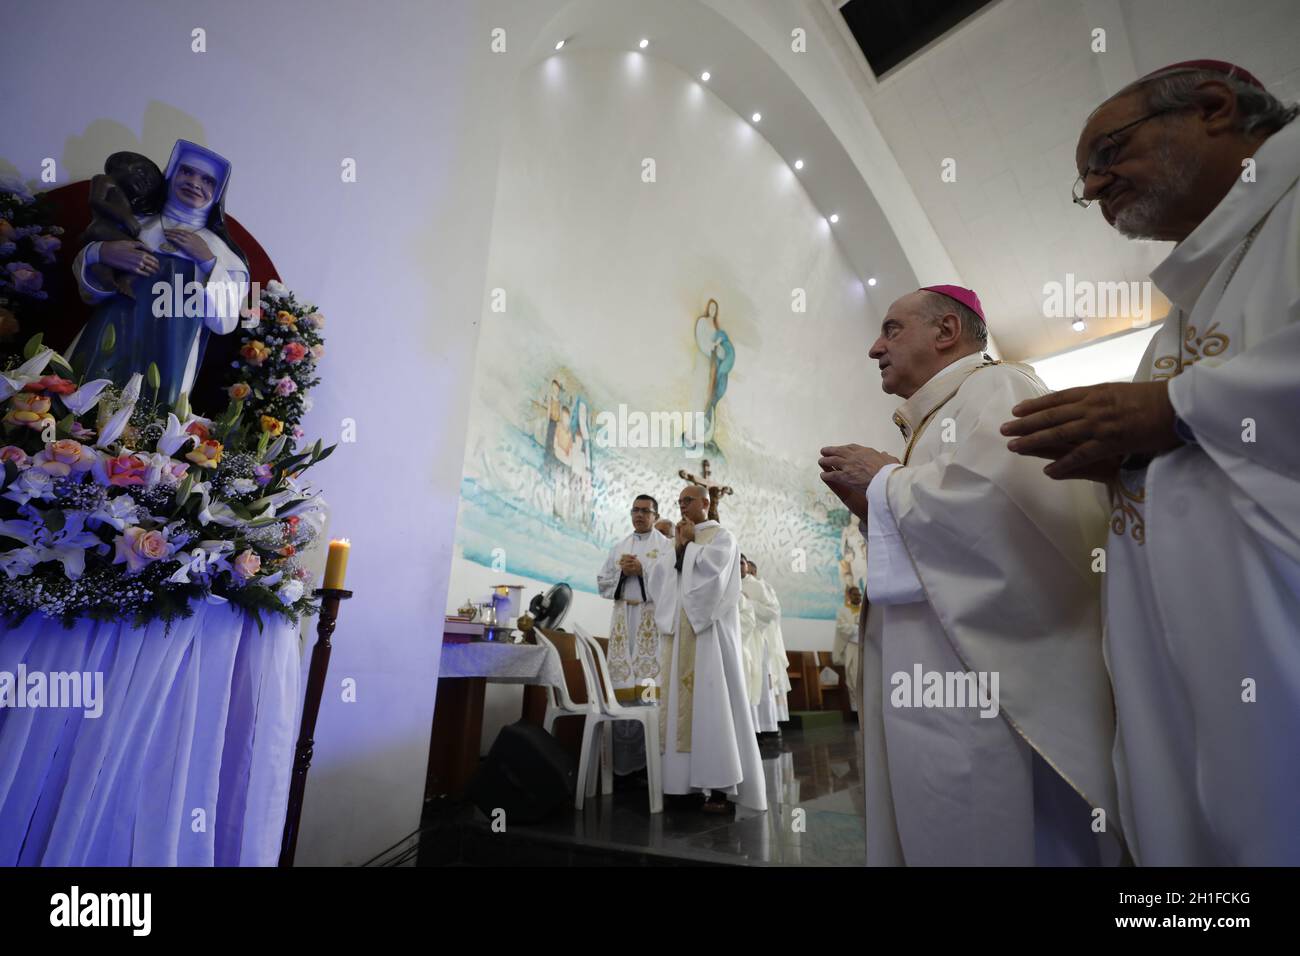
(715, 491)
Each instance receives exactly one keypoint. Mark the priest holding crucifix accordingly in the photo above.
(1201, 458)
(706, 727)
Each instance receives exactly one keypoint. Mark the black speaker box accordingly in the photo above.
(526, 773)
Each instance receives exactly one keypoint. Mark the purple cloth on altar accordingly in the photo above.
(189, 763)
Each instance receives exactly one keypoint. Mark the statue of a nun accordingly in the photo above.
(186, 243)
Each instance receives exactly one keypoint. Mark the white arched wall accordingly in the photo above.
(601, 276)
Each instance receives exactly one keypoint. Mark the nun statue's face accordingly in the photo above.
(193, 186)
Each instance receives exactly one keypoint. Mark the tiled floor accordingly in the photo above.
(814, 818)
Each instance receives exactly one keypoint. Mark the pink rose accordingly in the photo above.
(16, 455)
(286, 386)
(122, 471)
(51, 385)
(175, 471)
(138, 547)
(294, 352)
(246, 565)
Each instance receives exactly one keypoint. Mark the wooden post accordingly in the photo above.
(320, 662)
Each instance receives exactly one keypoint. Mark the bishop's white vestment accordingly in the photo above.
(1203, 582)
(977, 562)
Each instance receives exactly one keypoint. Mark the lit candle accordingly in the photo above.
(337, 565)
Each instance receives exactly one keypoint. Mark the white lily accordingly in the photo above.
(131, 394)
(86, 397)
(115, 426)
(277, 446)
(19, 562)
(220, 513)
(118, 512)
(174, 436)
(11, 383)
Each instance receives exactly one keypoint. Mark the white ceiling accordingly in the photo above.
(1005, 95)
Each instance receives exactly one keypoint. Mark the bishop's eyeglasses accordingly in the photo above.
(1105, 151)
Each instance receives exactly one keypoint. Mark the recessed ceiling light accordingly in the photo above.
(643, 44)
(705, 76)
(1078, 325)
(560, 45)
(798, 164)
(757, 117)
(835, 217)
(871, 281)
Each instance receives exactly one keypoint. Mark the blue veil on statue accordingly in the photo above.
(175, 340)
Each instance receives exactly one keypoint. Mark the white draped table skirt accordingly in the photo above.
(187, 765)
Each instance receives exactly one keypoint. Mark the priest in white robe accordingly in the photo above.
(1201, 454)
(987, 713)
(751, 641)
(772, 664)
(847, 649)
(637, 574)
(706, 728)
(778, 660)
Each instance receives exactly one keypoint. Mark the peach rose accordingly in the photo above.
(63, 457)
(294, 352)
(207, 454)
(199, 429)
(137, 548)
(239, 391)
(318, 352)
(30, 409)
(255, 352)
(246, 565)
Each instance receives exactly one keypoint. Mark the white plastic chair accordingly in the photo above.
(612, 709)
(560, 704)
(558, 701)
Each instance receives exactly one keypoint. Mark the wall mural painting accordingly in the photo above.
(549, 476)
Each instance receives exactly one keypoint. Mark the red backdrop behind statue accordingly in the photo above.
(65, 314)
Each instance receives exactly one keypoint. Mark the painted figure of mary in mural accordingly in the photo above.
(716, 344)
(185, 242)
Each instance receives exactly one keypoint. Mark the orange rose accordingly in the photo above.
(207, 454)
(199, 429)
(255, 352)
(239, 391)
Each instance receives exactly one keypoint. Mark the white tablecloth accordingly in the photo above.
(501, 663)
(188, 764)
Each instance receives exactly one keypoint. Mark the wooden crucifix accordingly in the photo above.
(715, 490)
